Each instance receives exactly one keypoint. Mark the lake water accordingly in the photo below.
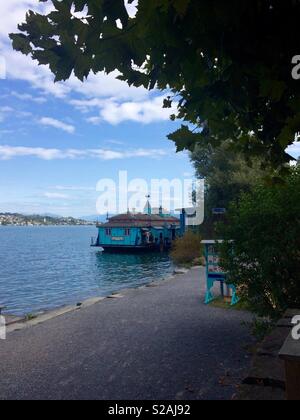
(42, 268)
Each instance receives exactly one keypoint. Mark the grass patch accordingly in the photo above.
(259, 327)
(220, 303)
(30, 317)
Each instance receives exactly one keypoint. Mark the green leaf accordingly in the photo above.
(188, 47)
(21, 43)
(273, 89)
(79, 5)
(184, 138)
(181, 6)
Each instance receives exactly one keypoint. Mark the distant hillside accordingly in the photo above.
(16, 219)
(95, 218)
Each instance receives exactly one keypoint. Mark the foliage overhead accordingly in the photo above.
(226, 63)
(262, 243)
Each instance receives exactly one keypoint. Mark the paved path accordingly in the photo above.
(154, 343)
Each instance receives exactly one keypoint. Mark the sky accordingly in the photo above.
(57, 140)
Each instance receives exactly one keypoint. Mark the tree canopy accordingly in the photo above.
(227, 64)
(227, 175)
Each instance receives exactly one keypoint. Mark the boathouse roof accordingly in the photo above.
(140, 220)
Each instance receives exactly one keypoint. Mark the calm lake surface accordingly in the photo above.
(42, 268)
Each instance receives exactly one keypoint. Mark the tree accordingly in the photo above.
(262, 243)
(227, 64)
(227, 175)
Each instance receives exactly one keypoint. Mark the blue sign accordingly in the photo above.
(219, 211)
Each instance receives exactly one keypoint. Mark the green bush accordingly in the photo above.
(261, 327)
(264, 257)
(187, 249)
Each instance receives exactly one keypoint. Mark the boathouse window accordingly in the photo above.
(108, 232)
(127, 232)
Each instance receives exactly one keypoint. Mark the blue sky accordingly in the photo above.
(58, 140)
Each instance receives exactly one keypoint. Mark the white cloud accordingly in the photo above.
(131, 8)
(10, 152)
(13, 12)
(6, 109)
(294, 150)
(56, 196)
(73, 188)
(115, 100)
(18, 66)
(51, 122)
(115, 142)
(146, 112)
(4, 112)
(22, 67)
(94, 120)
(105, 86)
(28, 97)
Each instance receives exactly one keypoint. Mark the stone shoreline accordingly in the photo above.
(17, 323)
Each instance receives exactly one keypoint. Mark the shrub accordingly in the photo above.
(261, 327)
(264, 257)
(187, 249)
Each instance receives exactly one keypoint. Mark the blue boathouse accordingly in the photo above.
(135, 232)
